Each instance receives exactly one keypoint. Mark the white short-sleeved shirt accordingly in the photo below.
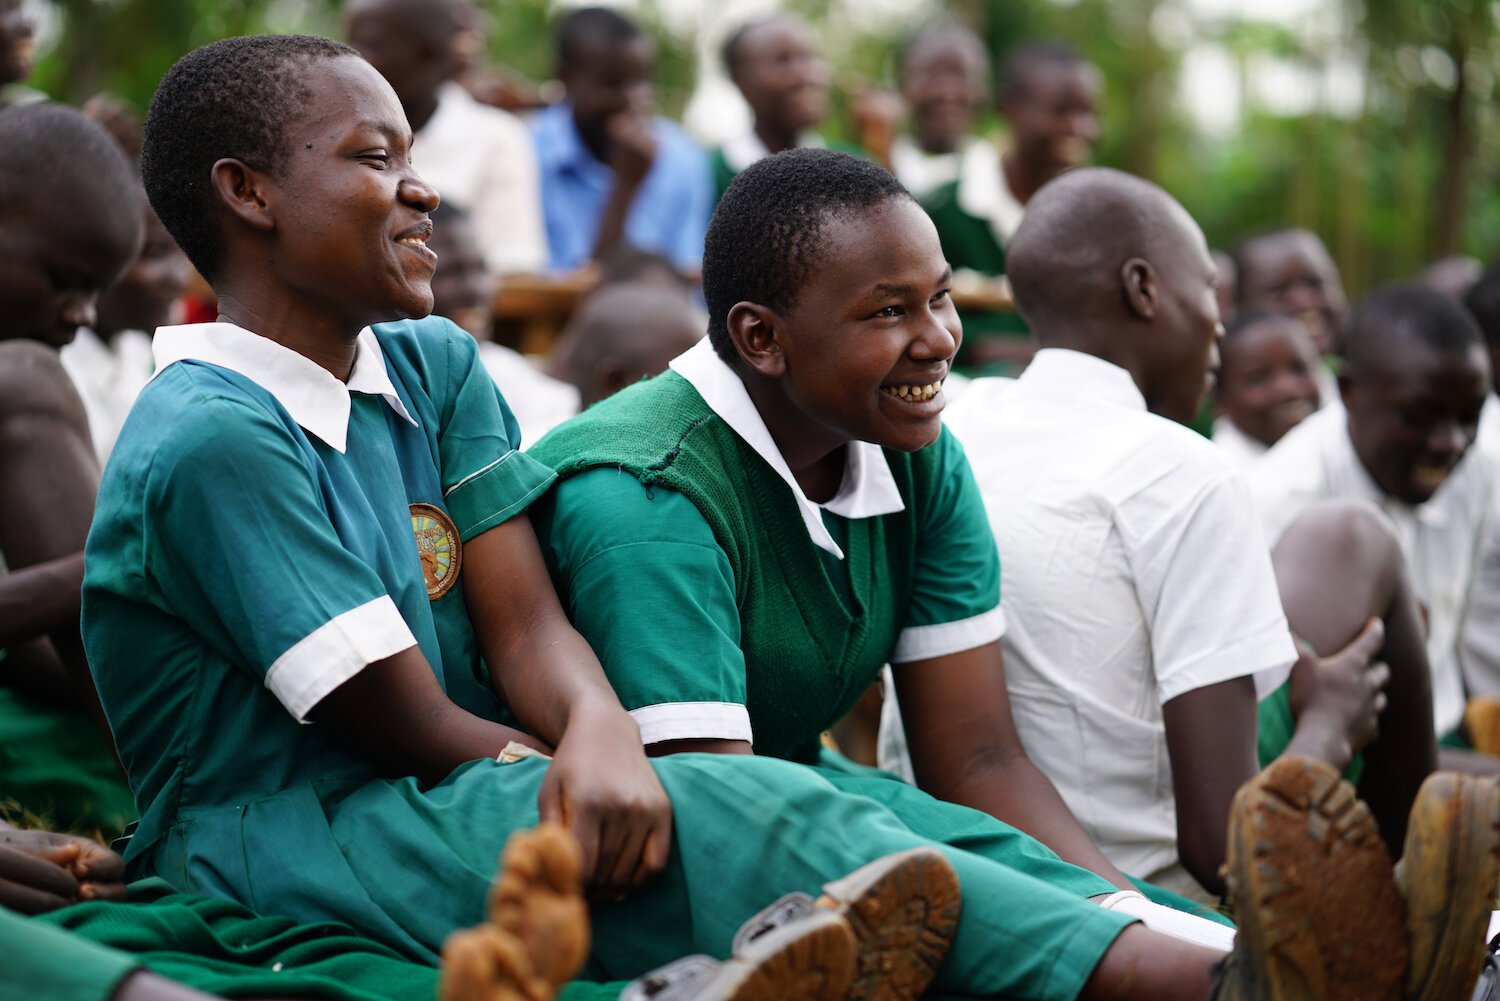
(1133, 571)
(1316, 460)
(108, 375)
(1235, 445)
(482, 160)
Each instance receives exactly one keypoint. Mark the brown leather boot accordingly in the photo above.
(1448, 875)
(1482, 721)
(1316, 903)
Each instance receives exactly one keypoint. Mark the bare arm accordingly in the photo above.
(1211, 743)
(632, 150)
(965, 749)
(49, 477)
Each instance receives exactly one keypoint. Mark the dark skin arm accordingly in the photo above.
(632, 150)
(599, 784)
(1211, 741)
(48, 480)
(965, 749)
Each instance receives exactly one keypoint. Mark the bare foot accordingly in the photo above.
(537, 935)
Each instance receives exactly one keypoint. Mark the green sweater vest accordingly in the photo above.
(808, 657)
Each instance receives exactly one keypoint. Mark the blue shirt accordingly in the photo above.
(669, 215)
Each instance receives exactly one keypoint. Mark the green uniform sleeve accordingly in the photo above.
(486, 478)
(955, 602)
(652, 592)
(46, 962)
(237, 542)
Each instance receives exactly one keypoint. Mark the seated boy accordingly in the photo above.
(612, 172)
(775, 63)
(54, 758)
(945, 75)
(1140, 599)
(1290, 271)
(1267, 383)
(1414, 378)
(479, 158)
(1049, 96)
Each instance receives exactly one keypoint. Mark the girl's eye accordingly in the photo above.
(888, 311)
(381, 158)
(943, 294)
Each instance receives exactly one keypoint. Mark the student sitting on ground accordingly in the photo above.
(1267, 383)
(70, 223)
(612, 171)
(1141, 604)
(776, 65)
(479, 158)
(1049, 96)
(1414, 378)
(945, 75)
(1290, 271)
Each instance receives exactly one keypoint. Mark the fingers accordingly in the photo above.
(1378, 675)
(625, 863)
(31, 885)
(656, 851)
(114, 892)
(1368, 643)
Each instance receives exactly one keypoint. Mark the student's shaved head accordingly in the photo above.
(1078, 231)
(53, 159)
(1111, 265)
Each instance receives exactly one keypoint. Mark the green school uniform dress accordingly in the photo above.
(263, 532)
(724, 605)
(84, 952)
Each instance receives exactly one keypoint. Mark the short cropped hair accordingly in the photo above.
(1023, 60)
(764, 238)
(1406, 311)
(54, 158)
(584, 27)
(228, 99)
(1483, 303)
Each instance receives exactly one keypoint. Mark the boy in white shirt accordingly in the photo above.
(1414, 380)
(1142, 602)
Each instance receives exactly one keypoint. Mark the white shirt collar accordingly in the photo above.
(311, 395)
(868, 488)
(984, 193)
(1063, 371)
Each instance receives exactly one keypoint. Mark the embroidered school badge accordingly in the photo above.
(437, 547)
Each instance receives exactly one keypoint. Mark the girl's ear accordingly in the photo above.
(243, 190)
(755, 331)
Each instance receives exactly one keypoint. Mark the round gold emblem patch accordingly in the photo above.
(437, 547)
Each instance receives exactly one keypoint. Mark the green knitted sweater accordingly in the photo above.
(808, 657)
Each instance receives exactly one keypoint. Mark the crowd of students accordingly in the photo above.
(319, 602)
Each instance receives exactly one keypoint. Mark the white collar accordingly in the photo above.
(868, 488)
(1076, 373)
(309, 392)
(984, 193)
(745, 149)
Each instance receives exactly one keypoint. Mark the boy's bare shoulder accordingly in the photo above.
(33, 383)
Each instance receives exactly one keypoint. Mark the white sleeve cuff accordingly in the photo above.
(926, 642)
(692, 721)
(335, 652)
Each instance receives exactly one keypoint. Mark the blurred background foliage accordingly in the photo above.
(1379, 134)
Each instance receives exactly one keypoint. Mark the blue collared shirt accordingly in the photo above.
(671, 209)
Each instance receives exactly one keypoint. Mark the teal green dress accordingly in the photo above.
(226, 534)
